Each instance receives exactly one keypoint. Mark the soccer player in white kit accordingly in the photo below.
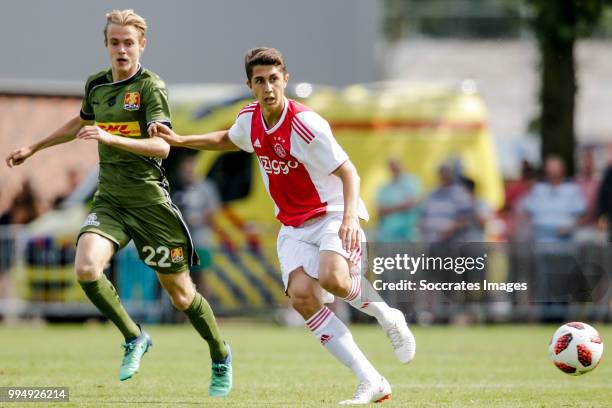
(315, 189)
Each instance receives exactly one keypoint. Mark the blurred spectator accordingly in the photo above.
(555, 205)
(197, 200)
(479, 216)
(474, 234)
(7, 245)
(517, 190)
(397, 210)
(73, 179)
(604, 195)
(517, 223)
(445, 215)
(446, 211)
(519, 233)
(588, 182)
(25, 207)
(5, 217)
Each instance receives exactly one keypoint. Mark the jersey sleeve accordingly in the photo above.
(240, 132)
(87, 112)
(155, 101)
(314, 144)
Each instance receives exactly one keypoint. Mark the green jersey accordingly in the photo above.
(126, 108)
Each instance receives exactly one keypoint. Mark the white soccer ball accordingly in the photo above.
(576, 348)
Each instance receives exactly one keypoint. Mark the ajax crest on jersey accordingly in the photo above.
(280, 151)
(176, 254)
(131, 101)
(576, 348)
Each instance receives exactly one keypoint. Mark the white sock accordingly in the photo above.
(337, 339)
(378, 308)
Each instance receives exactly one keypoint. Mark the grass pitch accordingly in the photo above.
(483, 366)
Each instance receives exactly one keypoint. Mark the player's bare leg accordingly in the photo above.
(93, 254)
(336, 278)
(305, 295)
(184, 297)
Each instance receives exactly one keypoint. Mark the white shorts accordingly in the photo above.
(300, 247)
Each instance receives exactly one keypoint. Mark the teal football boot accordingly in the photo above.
(221, 378)
(134, 350)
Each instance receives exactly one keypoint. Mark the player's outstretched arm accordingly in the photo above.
(65, 133)
(210, 141)
(151, 147)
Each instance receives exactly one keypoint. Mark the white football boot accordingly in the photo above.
(402, 339)
(368, 392)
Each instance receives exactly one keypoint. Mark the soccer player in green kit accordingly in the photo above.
(132, 201)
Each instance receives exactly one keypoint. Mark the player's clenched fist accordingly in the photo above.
(163, 131)
(94, 133)
(18, 156)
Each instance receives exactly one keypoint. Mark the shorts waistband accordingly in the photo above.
(311, 221)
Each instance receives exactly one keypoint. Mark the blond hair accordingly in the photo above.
(125, 18)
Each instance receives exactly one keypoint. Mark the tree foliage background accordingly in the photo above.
(557, 25)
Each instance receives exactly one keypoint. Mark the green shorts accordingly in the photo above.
(158, 230)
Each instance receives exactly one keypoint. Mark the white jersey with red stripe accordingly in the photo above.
(296, 158)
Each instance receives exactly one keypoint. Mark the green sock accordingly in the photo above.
(202, 318)
(103, 295)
